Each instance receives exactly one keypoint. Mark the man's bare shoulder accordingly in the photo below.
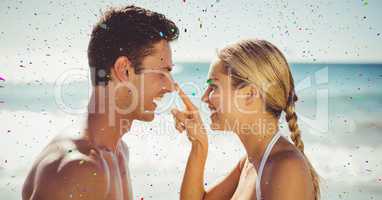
(66, 169)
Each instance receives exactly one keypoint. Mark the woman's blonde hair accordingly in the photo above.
(260, 63)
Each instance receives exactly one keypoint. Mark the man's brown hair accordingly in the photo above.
(129, 31)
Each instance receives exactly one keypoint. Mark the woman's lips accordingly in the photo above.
(213, 113)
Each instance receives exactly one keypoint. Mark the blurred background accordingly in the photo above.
(334, 48)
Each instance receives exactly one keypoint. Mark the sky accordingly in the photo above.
(43, 39)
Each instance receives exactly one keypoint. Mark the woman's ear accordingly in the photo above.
(254, 91)
(251, 93)
(122, 69)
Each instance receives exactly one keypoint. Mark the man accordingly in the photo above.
(130, 59)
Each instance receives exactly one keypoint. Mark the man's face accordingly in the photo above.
(153, 80)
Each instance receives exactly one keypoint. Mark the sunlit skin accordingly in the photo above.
(286, 175)
(92, 163)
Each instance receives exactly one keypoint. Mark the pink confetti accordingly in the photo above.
(2, 79)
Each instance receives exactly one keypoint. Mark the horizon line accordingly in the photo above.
(297, 62)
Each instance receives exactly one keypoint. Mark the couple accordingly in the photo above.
(250, 85)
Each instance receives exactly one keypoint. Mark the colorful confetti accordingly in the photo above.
(161, 34)
(209, 81)
(2, 79)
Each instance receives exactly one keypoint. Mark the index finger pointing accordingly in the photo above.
(187, 101)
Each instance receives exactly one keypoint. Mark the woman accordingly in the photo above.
(250, 85)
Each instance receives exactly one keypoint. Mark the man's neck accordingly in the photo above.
(105, 127)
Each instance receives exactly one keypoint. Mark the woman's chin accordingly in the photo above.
(216, 127)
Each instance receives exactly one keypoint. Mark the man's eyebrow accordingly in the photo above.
(169, 68)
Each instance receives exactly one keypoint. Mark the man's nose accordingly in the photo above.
(169, 85)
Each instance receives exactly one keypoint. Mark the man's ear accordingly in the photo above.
(122, 69)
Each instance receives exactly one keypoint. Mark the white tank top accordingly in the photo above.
(262, 163)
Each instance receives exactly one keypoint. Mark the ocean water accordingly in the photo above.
(339, 111)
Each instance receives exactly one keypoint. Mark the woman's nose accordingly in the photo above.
(205, 97)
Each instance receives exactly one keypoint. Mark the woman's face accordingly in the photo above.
(230, 107)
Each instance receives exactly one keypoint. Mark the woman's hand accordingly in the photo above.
(189, 120)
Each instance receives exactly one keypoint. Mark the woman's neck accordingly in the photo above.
(255, 140)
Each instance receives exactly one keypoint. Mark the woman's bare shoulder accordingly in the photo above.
(287, 176)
